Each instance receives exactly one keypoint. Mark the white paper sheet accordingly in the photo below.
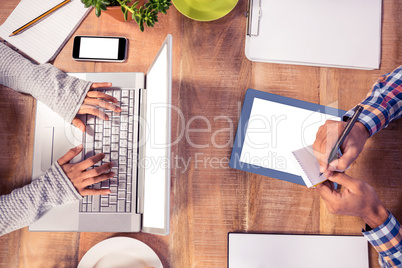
(275, 130)
(341, 33)
(301, 251)
(43, 40)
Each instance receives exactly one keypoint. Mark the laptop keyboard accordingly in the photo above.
(114, 138)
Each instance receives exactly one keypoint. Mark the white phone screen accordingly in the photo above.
(99, 48)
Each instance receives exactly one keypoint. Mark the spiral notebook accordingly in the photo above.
(308, 166)
(43, 40)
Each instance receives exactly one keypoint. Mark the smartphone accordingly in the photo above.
(100, 48)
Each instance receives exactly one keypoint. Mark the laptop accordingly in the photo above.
(137, 141)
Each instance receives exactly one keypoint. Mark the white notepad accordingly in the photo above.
(308, 166)
(43, 40)
(270, 128)
(301, 251)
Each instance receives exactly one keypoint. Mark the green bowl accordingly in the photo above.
(204, 10)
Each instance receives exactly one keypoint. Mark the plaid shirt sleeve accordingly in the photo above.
(387, 240)
(383, 103)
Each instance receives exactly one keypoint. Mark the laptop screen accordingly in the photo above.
(156, 162)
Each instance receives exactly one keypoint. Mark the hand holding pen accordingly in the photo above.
(349, 137)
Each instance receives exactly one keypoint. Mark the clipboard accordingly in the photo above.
(270, 128)
(291, 250)
(342, 33)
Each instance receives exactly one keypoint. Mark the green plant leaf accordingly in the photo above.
(113, 3)
(146, 14)
(137, 18)
(102, 6)
(135, 4)
(87, 3)
(97, 11)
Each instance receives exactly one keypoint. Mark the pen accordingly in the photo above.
(348, 128)
(39, 18)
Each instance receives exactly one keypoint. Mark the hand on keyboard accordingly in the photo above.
(94, 103)
(115, 139)
(81, 177)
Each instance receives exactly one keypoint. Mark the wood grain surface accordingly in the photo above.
(209, 199)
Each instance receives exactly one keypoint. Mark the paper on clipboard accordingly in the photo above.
(270, 128)
(344, 34)
(301, 251)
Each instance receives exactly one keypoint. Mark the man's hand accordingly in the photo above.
(80, 177)
(93, 104)
(356, 198)
(327, 136)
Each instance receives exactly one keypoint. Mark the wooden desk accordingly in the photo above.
(210, 77)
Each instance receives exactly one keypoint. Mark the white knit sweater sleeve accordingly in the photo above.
(64, 94)
(25, 205)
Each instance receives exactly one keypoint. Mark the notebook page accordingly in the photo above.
(310, 168)
(43, 40)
